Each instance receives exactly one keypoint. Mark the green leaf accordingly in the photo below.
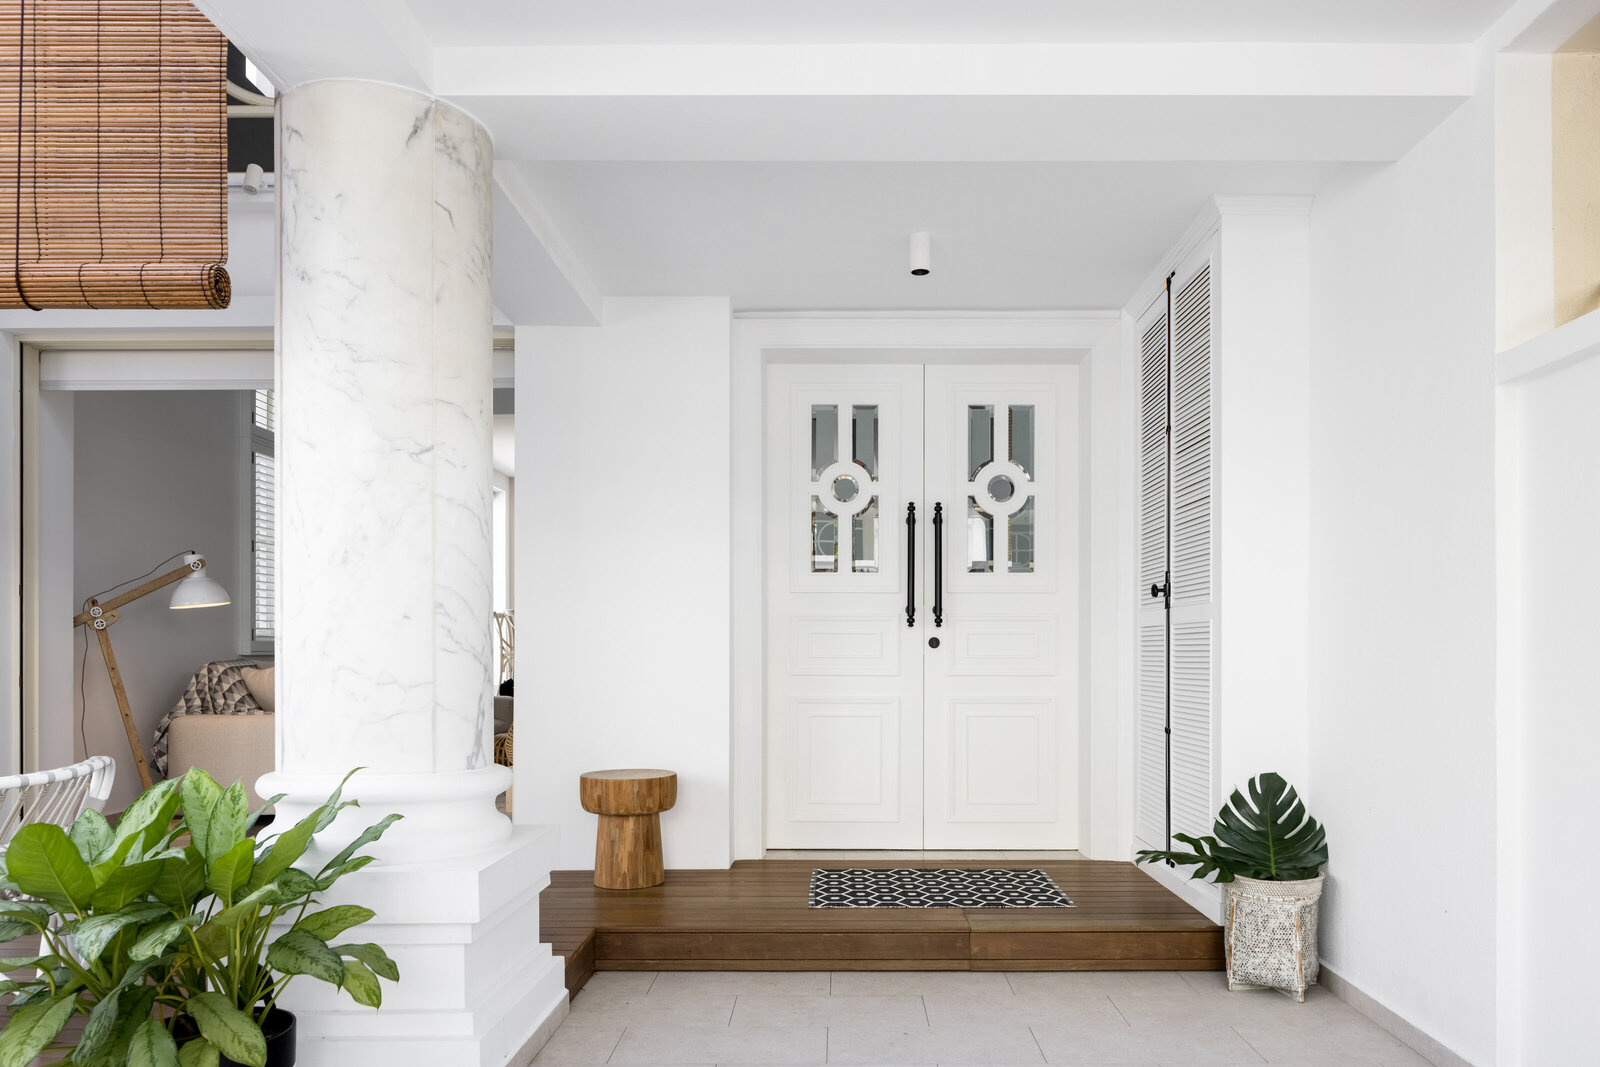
(286, 848)
(152, 1046)
(17, 963)
(1269, 836)
(331, 922)
(156, 940)
(200, 793)
(230, 871)
(149, 816)
(255, 816)
(347, 867)
(298, 952)
(366, 837)
(11, 929)
(180, 881)
(333, 806)
(92, 835)
(214, 941)
(91, 936)
(293, 885)
(225, 826)
(228, 1028)
(98, 1030)
(374, 957)
(124, 885)
(37, 1024)
(362, 984)
(45, 863)
(247, 907)
(134, 1007)
(198, 1053)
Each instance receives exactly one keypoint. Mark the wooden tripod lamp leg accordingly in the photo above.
(134, 744)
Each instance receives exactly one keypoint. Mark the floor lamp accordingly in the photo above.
(194, 590)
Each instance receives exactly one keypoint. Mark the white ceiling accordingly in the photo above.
(784, 236)
(550, 22)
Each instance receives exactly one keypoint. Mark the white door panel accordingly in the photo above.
(1001, 768)
(877, 736)
(844, 671)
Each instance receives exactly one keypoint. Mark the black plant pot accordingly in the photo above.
(277, 1027)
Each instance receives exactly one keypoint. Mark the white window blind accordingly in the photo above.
(263, 534)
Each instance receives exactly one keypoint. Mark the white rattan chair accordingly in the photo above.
(57, 796)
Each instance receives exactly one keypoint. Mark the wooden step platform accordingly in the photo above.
(754, 917)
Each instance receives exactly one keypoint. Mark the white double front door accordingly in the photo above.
(922, 644)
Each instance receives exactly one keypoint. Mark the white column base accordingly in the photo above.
(476, 987)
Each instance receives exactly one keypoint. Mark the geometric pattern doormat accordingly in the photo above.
(908, 888)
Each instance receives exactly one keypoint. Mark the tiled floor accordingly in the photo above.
(886, 1017)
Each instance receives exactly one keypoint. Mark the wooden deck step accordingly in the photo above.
(755, 916)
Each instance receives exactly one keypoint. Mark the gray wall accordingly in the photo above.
(154, 473)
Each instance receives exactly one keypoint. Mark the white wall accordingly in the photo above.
(1262, 456)
(1402, 737)
(154, 473)
(622, 539)
(1554, 440)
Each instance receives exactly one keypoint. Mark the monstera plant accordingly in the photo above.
(1268, 837)
(177, 938)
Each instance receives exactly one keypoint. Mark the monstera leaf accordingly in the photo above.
(1269, 836)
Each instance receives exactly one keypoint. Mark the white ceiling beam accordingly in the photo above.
(1191, 69)
(537, 276)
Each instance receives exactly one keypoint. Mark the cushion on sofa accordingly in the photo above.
(262, 683)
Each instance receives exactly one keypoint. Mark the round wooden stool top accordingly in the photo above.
(630, 791)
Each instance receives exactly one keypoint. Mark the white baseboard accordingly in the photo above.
(1425, 1044)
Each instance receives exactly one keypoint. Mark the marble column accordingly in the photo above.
(386, 652)
(385, 641)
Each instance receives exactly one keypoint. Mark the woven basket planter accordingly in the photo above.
(1272, 934)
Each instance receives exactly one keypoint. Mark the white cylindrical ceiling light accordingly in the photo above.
(920, 253)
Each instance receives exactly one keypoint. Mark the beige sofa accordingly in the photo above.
(229, 747)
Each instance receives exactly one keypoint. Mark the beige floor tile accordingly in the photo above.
(974, 1045)
(889, 1011)
(735, 983)
(1068, 983)
(576, 1044)
(628, 983)
(1026, 1009)
(686, 1009)
(722, 1044)
(1207, 1043)
(1237, 1009)
(1339, 1042)
(919, 983)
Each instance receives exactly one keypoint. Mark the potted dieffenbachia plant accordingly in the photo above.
(205, 934)
(89, 895)
(231, 956)
(1269, 853)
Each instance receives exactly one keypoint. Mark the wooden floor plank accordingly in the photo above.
(756, 916)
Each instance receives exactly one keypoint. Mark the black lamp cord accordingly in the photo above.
(83, 662)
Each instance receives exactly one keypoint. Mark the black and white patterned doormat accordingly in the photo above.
(909, 888)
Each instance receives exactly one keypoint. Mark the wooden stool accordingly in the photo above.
(627, 849)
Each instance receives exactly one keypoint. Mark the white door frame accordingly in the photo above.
(1094, 341)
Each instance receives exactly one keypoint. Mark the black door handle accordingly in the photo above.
(911, 564)
(938, 564)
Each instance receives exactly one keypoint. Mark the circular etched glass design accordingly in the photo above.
(1001, 488)
(845, 489)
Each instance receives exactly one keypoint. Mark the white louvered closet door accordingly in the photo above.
(1177, 654)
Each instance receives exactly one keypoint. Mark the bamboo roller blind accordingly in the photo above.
(113, 155)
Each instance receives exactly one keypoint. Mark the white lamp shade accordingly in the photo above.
(198, 591)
